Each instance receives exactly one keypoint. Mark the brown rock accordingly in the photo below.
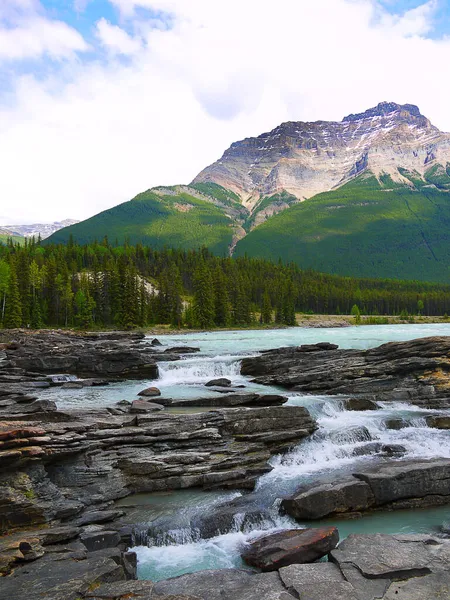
(294, 546)
(151, 391)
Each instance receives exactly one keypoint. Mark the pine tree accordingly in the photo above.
(13, 309)
(203, 304)
(222, 306)
(266, 308)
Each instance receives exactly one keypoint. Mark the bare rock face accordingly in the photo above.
(305, 159)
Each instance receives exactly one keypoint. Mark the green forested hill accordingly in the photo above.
(162, 217)
(365, 228)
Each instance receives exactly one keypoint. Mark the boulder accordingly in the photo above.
(151, 391)
(396, 424)
(99, 540)
(143, 407)
(293, 546)
(155, 342)
(406, 480)
(221, 382)
(329, 499)
(350, 435)
(360, 403)
(181, 350)
(438, 421)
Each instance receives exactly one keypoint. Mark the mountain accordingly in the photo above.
(178, 216)
(366, 196)
(7, 234)
(43, 229)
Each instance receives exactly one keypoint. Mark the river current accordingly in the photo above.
(337, 447)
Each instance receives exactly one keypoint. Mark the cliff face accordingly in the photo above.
(305, 159)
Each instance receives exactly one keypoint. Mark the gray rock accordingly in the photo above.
(408, 480)
(60, 580)
(221, 382)
(381, 556)
(407, 371)
(232, 400)
(99, 540)
(438, 421)
(122, 590)
(360, 403)
(431, 587)
(329, 499)
(99, 516)
(143, 407)
(398, 485)
(207, 585)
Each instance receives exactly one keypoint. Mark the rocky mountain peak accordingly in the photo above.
(305, 159)
(384, 109)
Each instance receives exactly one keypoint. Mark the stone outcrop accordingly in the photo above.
(389, 486)
(416, 371)
(293, 546)
(109, 355)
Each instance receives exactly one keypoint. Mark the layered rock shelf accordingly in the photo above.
(394, 485)
(417, 372)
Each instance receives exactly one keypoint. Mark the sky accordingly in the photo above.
(103, 99)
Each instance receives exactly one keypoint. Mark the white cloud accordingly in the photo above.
(96, 134)
(38, 36)
(27, 33)
(115, 39)
(417, 21)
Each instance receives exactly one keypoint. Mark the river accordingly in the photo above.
(337, 447)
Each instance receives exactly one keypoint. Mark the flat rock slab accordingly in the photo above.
(431, 587)
(207, 585)
(393, 557)
(224, 584)
(235, 400)
(294, 546)
(142, 407)
(59, 580)
(122, 590)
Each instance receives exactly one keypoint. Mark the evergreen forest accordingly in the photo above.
(100, 285)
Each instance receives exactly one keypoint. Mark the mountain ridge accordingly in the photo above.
(386, 167)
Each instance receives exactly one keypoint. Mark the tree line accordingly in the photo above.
(102, 285)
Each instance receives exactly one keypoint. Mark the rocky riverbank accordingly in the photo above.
(61, 471)
(416, 372)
